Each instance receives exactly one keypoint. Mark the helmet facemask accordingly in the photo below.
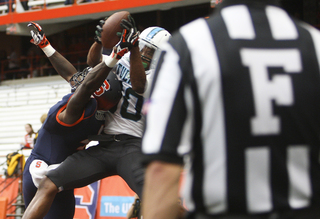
(76, 79)
(147, 51)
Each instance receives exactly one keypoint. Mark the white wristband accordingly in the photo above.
(110, 61)
(48, 50)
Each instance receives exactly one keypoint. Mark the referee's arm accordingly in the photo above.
(161, 191)
(164, 127)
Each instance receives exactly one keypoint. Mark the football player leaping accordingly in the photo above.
(119, 149)
(68, 124)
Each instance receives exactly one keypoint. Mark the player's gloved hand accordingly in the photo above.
(124, 45)
(132, 35)
(136, 208)
(38, 36)
(121, 48)
(128, 39)
(98, 31)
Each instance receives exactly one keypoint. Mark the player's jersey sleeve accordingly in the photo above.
(56, 126)
(56, 141)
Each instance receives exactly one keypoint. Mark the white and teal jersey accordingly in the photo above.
(127, 117)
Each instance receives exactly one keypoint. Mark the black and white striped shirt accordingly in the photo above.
(239, 95)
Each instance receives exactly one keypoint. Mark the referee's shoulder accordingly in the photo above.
(187, 31)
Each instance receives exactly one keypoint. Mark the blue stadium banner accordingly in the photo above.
(115, 206)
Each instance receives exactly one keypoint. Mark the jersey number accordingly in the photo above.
(126, 110)
(104, 87)
(265, 90)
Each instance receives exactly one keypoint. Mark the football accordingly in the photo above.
(110, 28)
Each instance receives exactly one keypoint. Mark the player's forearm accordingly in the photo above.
(161, 191)
(64, 68)
(137, 71)
(96, 77)
(90, 84)
(94, 56)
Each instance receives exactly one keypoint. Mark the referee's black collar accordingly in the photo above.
(226, 3)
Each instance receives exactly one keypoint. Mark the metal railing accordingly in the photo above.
(37, 66)
(15, 208)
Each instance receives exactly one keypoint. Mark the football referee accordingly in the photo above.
(236, 98)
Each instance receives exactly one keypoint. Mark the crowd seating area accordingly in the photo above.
(24, 101)
(39, 65)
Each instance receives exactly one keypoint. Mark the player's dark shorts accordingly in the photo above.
(116, 155)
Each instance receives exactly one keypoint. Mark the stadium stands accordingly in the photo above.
(24, 101)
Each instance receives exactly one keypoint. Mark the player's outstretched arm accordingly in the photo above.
(91, 83)
(61, 64)
(94, 56)
(64, 68)
(137, 71)
(79, 100)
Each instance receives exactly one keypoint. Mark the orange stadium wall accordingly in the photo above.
(112, 202)
(108, 198)
(10, 192)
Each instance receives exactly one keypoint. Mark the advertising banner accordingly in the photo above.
(109, 198)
